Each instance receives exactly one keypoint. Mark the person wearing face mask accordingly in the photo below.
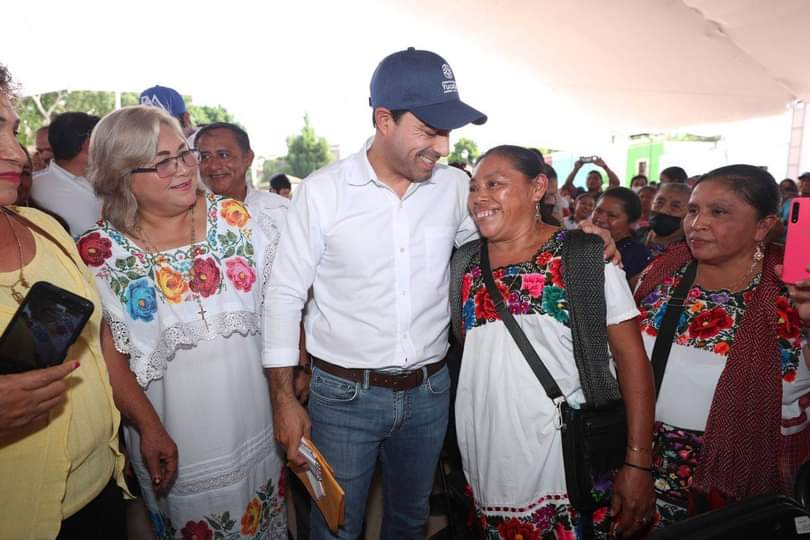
(668, 210)
(639, 181)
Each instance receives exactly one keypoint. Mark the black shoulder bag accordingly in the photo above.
(594, 436)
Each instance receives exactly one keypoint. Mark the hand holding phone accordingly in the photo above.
(26, 398)
(47, 323)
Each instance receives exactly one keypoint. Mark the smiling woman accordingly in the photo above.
(59, 458)
(181, 277)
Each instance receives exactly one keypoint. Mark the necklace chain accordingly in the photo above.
(21, 281)
(152, 250)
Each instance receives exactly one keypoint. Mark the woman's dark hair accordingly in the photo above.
(528, 162)
(631, 204)
(675, 174)
(752, 184)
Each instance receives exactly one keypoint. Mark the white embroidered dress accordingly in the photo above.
(203, 376)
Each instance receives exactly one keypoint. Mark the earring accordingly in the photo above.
(537, 215)
(757, 257)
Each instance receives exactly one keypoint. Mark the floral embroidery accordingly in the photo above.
(675, 457)
(93, 249)
(205, 277)
(140, 300)
(171, 284)
(179, 275)
(234, 213)
(711, 318)
(240, 273)
(534, 286)
(252, 516)
(263, 514)
(196, 530)
(551, 518)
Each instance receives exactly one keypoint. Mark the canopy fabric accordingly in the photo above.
(650, 64)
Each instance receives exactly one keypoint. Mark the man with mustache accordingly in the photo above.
(371, 236)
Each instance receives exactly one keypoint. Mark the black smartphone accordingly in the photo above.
(47, 323)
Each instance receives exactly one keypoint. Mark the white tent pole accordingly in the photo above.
(796, 138)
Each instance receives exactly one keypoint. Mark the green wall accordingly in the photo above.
(650, 151)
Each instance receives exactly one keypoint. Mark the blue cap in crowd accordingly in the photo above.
(166, 98)
(422, 83)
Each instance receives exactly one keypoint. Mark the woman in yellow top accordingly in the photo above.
(60, 466)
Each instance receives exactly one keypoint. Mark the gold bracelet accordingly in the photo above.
(637, 449)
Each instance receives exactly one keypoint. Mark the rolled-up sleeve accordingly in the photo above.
(299, 251)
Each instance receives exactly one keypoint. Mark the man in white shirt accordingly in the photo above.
(367, 248)
(62, 188)
(225, 159)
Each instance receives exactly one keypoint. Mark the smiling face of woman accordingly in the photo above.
(12, 157)
(173, 194)
(502, 200)
(610, 214)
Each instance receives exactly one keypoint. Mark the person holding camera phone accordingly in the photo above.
(594, 180)
(59, 460)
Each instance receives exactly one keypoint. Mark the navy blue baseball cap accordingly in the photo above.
(422, 83)
(164, 97)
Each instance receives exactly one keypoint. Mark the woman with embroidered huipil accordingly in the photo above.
(731, 415)
(180, 275)
(507, 425)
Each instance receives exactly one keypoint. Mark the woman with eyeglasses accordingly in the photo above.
(60, 467)
(180, 275)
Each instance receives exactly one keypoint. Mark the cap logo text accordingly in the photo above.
(447, 72)
(449, 86)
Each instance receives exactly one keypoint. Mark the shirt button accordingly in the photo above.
(402, 250)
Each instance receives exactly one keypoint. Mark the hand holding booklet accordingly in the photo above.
(320, 481)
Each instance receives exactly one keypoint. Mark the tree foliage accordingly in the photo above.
(306, 152)
(464, 151)
(38, 110)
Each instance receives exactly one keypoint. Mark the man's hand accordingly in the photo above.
(28, 397)
(611, 252)
(159, 453)
(290, 419)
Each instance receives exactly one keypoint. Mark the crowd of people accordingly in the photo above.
(231, 322)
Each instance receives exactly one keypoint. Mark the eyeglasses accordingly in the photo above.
(168, 166)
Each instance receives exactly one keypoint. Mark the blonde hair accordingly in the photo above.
(124, 140)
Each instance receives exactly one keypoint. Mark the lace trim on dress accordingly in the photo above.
(150, 366)
(270, 229)
(554, 498)
(226, 470)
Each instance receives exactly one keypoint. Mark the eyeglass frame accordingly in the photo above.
(154, 169)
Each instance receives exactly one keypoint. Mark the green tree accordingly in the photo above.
(270, 168)
(464, 151)
(38, 110)
(306, 152)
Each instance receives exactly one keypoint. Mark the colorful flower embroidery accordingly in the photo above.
(711, 319)
(235, 213)
(180, 275)
(171, 284)
(93, 249)
(535, 286)
(240, 273)
(196, 530)
(251, 517)
(140, 301)
(205, 277)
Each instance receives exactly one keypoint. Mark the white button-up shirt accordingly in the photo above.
(377, 265)
(71, 197)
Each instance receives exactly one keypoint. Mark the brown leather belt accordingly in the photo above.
(405, 380)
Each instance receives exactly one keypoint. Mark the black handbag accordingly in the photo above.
(594, 437)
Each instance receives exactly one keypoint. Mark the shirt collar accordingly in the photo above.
(366, 171)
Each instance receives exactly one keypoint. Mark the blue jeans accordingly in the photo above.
(353, 424)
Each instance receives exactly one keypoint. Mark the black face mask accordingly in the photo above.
(664, 224)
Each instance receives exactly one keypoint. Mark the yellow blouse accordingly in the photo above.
(51, 470)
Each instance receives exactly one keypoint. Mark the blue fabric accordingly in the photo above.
(355, 424)
(635, 256)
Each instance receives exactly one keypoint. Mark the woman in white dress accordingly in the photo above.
(506, 424)
(180, 276)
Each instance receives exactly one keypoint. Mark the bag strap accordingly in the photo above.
(40, 231)
(666, 332)
(539, 369)
(583, 267)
